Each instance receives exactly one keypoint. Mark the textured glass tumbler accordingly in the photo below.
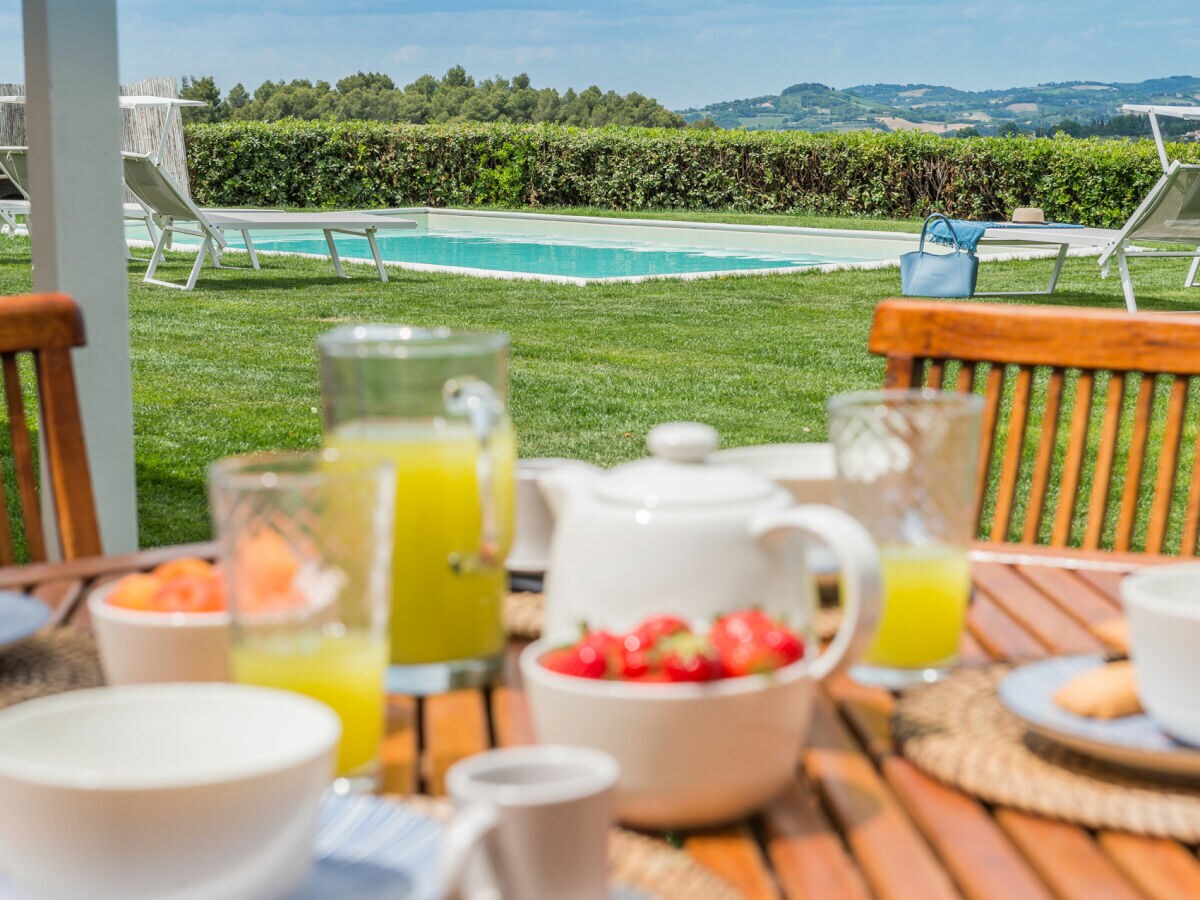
(306, 547)
(906, 465)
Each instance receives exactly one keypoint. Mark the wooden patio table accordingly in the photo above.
(860, 820)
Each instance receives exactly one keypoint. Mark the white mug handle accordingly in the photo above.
(858, 560)
(462, 841)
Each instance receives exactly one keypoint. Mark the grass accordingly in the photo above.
(231, 366)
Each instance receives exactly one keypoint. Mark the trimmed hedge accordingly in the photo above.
(899, 175)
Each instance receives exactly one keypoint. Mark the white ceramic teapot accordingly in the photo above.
(677, 534)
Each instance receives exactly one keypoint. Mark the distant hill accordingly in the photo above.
(940, 109)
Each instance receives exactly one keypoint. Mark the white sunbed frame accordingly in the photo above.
(1048, 236)
(171, 205)
(1121, 248)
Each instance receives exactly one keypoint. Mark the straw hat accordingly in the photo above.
(1028, 215)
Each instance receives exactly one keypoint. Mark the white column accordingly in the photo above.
(74, 132)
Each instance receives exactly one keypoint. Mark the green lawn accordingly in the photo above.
(231, 366)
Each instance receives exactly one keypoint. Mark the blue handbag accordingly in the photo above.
(950, 274)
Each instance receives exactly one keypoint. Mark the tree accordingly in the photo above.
(237, 97)
(203, 88)
(455, 97)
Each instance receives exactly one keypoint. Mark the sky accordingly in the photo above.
(682, 53)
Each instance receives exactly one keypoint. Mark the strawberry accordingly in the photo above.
(582, 662)
(690, 657)
(751, 643)
(647, 635)
(634, 665)
(783, 643)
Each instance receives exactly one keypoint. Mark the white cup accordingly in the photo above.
(1162, 604)
(535, 522)
(530, 822)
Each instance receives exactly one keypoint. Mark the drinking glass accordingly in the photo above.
(905, 469)
(433, 401)
(306, 547)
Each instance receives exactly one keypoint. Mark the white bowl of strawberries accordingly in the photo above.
(706, 720)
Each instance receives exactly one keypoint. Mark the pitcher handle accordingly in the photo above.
(858, 560)
(477, 401)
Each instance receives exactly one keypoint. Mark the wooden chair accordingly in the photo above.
(46, 326)
(1058, 463)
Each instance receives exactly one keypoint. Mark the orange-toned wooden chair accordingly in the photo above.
(1085, 413)
(46, 326)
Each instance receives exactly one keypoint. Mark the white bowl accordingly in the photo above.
(140, 647)
(191, 791)
(690, 754)
(807, 471)
(1163, 607)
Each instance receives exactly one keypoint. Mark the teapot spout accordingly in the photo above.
(559, 484)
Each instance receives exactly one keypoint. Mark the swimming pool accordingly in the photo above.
(590, 249)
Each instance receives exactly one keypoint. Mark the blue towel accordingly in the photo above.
(969, 233)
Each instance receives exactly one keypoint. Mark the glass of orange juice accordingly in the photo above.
(433, 402)
(306, 548)
(906, 463)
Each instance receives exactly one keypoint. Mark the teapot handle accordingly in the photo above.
(858, 560)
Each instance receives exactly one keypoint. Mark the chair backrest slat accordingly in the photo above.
(966, 378)
(1135, 463)
(23, 464)
(1191, 521)
(1044, 462)
(992, 395)
(48, 326)
(1014, 445)
(1168, 463)
(1110, 431)
(1102, 471)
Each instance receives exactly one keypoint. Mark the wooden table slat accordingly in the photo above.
(1066, 857)
(1037, 613)
(997, 632)
(806, 851)
(892, 855)
(1162, 869)
(401, 757)
(734, 855)
(510, 715)
(455, 727)
(984, 863)
(1074, 592)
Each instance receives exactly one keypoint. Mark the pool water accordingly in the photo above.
(586, 259)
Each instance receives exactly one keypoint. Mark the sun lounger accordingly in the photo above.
(171, 206)
(1019, 236)
(14, 163)
(1170, 213)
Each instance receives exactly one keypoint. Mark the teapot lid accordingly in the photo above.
(677, 473)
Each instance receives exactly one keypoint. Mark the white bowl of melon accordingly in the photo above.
(173, 623)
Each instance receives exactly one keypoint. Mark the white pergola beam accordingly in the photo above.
(74, 134)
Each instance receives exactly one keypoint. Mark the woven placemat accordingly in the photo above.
(49, 663)
(959, 732)
(637, 861)
(523, 617)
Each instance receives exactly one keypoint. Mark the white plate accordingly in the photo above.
(21, 617)
(1134, 741)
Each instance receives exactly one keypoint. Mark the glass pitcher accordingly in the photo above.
(433, 402)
